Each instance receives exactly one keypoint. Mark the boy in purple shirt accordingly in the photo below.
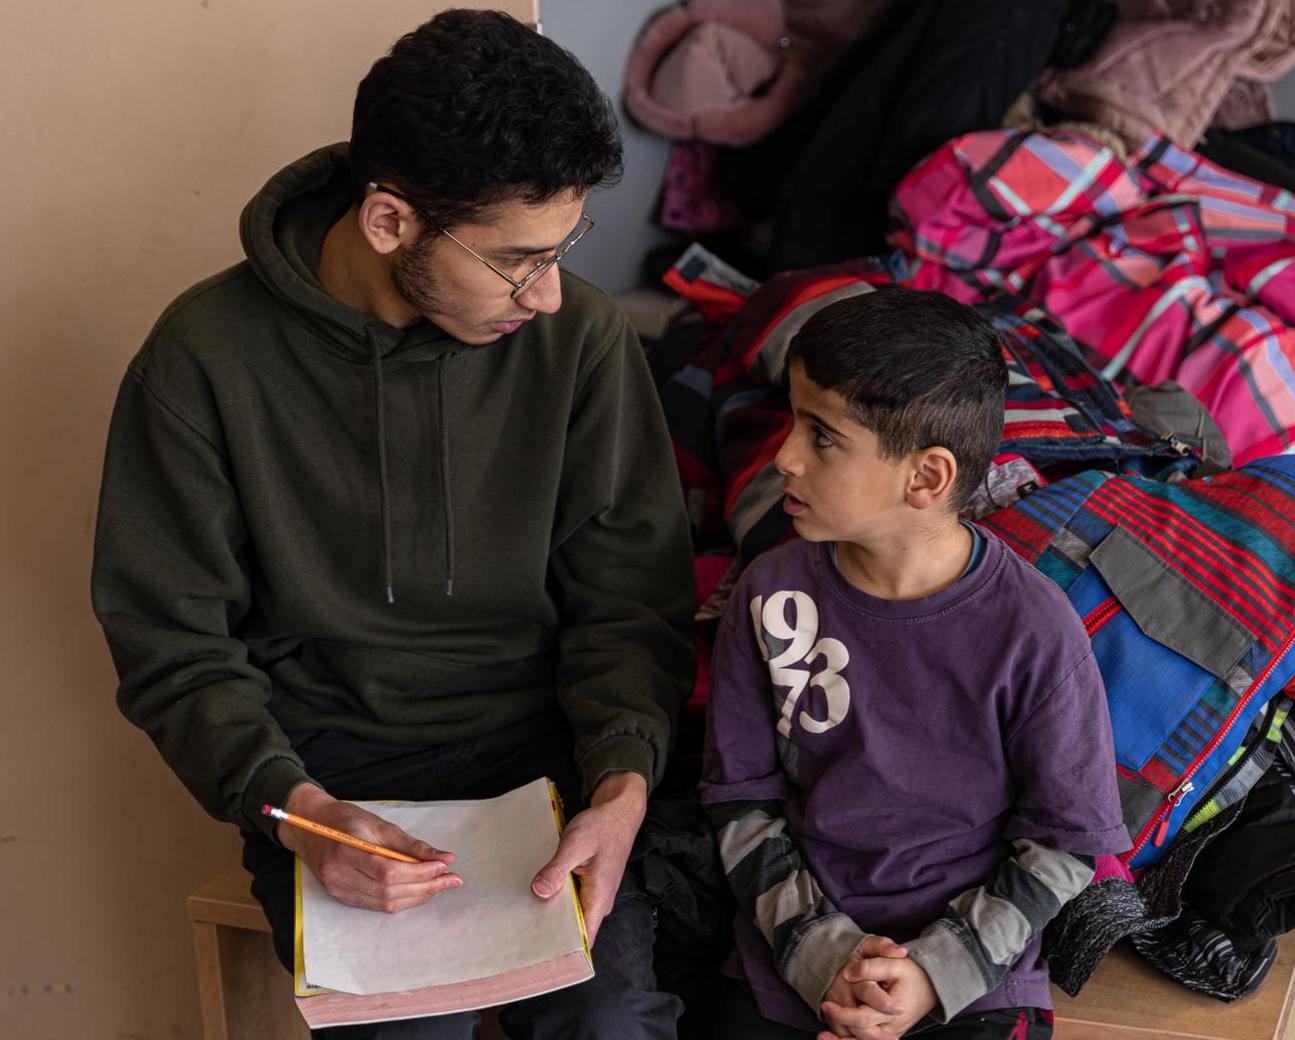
(907, 736)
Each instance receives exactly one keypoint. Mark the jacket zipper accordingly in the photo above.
(1174, 798)
(1159, 823)
(1247, 753)
(1101, 614)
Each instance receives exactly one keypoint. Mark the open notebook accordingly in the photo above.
(486, 943)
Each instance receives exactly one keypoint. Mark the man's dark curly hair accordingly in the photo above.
(474, 108)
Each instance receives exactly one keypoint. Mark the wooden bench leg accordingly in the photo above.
(243, 991)
(211, 988)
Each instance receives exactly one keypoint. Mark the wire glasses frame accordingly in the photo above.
(530, 277)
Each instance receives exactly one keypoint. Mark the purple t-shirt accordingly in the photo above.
(910, 741)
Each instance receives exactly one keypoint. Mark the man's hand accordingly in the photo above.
(359, 878)
(595, 847)
(904, 980)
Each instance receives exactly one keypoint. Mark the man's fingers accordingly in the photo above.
(377, 882)
(381, 832)
(357, 890)
(394, 838)
(363, 883)
(597, 888)
(365, 879)
(593, 922)
(595, 846)
(391, 872)
(597, 896)
(552, 877)
(425, 851)
(340, 860)
(406, 901)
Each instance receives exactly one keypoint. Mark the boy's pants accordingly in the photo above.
(621, 1000)
(739, 1019)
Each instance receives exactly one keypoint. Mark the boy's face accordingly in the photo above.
(837, 484)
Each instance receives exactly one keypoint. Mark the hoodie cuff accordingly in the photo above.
(618, 754)
(270, 785)
(953, 971)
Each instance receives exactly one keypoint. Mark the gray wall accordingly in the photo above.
(600, 33)
(1284, 93)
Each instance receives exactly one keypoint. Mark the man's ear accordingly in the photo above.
(933, 475)
(387, 223)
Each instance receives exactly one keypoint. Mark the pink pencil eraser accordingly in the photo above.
(266, 810)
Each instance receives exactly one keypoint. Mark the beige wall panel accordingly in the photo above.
(132, 134)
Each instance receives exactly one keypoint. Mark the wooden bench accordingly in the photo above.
(246, 994)
(1127, 999)
(242, 988)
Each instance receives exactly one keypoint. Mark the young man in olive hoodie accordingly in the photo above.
(389, 509)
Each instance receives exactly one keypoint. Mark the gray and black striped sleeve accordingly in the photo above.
(967, 952)
(810, 939)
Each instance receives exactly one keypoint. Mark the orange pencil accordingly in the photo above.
(336, 835)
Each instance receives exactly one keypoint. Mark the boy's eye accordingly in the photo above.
(821, 439)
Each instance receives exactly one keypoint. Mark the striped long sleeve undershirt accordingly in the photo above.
(966, 952)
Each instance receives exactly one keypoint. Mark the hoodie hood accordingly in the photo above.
(283, 229)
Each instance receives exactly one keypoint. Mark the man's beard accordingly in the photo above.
(412, 276)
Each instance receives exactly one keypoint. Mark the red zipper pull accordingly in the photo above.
(1162, 831)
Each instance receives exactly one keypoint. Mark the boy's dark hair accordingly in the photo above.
(474, 108)
(919, 369)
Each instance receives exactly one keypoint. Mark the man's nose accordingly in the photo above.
(544, 294)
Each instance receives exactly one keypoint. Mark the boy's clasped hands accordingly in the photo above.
(878, 993)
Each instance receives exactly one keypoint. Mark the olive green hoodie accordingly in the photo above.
(313, 520)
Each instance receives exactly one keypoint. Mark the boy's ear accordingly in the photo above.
(934, 471)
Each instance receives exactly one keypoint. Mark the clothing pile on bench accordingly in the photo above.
(1107, 184)
(1183, 570)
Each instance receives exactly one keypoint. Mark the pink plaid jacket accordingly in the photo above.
(1167, 266)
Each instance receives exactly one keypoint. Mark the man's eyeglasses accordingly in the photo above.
(531, 276)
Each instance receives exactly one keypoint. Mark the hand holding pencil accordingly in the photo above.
(359, 858)
(283, 816)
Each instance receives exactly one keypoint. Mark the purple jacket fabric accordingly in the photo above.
(909, 741)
